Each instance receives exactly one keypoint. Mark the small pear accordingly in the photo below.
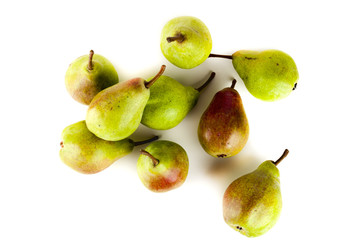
(88, 75)
(163, 166)
(252, 203)
(115, 113)
(223, 128)
(185, 42)
(268, 75)
(170, 102)
(84, 152)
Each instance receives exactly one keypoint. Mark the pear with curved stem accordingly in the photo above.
(84, 152)
(268, 75)
(185, 42)
(252, 203)
(170, 102)
(88, 75)
(115, 113)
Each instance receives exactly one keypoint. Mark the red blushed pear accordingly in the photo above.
(163, 166)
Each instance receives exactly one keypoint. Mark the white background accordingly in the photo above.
(41, 198)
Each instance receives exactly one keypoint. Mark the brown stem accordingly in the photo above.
(154, 160)
(233, 83)
(152, 81)
(286, 152)
(199, 89)
(90, 65)
(146, 141)
(179, 37)
(221, 56)
(294, 86)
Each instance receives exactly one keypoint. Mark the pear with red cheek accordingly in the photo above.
(163, 166)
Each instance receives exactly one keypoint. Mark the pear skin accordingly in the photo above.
(170, 102)
(268, 75)
(116, 112)
(223, 128)
(252, 203)
(88, 75)
(84, 152)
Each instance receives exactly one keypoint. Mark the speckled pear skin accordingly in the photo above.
(172, 170)
(223, 128)
(269, 75)
(83, 84)
(196, 47)
(115, 113)
(84, 152)
(252, 203)
(169, 103)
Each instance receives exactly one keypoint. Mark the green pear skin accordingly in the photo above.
(163, 166)
(268, 75)
(223, 128)
(116, 112)
(252, 203)
(185, 42)
(84, 152)
(169, 103)
(84, 82)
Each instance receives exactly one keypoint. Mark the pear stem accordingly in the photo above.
(146, 141)
(152, 81)
(90, 65)
(179, 37)
(199, 89)
(154, 160)
(221, 56)
(233, 83)
(286, 152)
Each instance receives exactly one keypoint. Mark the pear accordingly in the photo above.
(163, 166)
(88, 75)
(223, 128)
(252, 203)
(115, 113)
(268, 75)
(170, 102)
(185, 42)
(84, 152)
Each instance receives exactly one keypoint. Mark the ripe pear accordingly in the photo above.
(223, 128)
(84, 152)
(268, 75)
(252, 203)
(115, 113)
(185, 42)
(170, 102)
(88, 75)
(163, 166)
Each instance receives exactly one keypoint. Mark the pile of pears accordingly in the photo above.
(252, 203)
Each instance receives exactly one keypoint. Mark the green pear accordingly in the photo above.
(223, 128)
(185, 42)
(88, 75)
(268, 75)
(170, 102)
(84, 152)
(115, 113)
(163, 166)
(252, 203)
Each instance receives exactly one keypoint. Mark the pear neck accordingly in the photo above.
(285, 153)
(154, 160)
(90, 64)
(153, 80)
(199, 89)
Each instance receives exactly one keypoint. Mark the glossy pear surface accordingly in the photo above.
(268, 75)
(84, 152)
(170, 170)
(83, 83)
(223, 128)
(194, 45)
(252, 203)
